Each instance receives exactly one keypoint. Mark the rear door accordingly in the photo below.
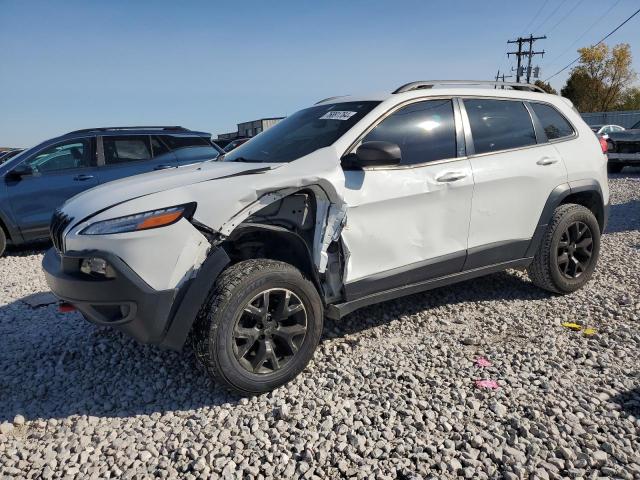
(126, 155)
(515, 170)
(59, 172)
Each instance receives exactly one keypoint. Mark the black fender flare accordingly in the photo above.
(556, 198)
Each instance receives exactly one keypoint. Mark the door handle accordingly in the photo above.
(451, 177)
(82, 177)
(547, 161)
(164, 167)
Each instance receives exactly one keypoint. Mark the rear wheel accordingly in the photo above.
(260, 326)
(569, 250)
(614, 167)
(3, 242)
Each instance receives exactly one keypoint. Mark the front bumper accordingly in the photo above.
(125, 302)
(128, 303)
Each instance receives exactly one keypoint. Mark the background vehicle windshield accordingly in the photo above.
(637, 125)
(302, 133)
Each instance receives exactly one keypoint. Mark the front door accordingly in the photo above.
(58, 173)
(410, 222)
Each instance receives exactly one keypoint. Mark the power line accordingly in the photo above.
(571, 10)
(550, 15)
(535, 17)
(582, 35)
(603, 39)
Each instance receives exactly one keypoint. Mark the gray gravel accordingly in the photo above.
(390, 394)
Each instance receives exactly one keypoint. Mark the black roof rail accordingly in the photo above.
(484, 83)
(144, 127)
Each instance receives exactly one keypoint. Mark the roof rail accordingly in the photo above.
(111, 129)
(484, 83)
(328, 98)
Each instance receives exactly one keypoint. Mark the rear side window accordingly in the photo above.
(123, 149)
(157, 147)
(176, 142)
(553, 123)
(499, 124)
(424, 131)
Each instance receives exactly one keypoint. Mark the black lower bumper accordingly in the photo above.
(126, 301)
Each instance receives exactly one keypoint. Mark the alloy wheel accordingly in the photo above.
(269, 331)
(575, 250)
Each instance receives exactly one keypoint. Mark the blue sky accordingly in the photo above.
(209, 65)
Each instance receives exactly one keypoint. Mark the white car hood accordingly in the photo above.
(222, 190)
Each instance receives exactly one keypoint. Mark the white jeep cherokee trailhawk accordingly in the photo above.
(353, 201)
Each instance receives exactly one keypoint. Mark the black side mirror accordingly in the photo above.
(20, 171)
(378, 154)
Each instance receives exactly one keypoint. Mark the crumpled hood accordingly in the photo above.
(223, 191)
(626, 136)
(118, 191)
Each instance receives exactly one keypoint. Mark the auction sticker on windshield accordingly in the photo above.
(337, 115)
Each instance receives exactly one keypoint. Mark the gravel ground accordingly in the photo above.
(390, 394)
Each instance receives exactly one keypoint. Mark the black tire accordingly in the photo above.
(614, 167)
(556, 265)
(215, 334)
(3, 242)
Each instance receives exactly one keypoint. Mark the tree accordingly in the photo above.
(630, 100)
(581, 90)
(546, 86)
(599, 82)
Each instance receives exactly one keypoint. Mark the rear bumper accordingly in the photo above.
(127, 302)
(626, 158)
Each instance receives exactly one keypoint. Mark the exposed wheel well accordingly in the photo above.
(591, 200)
(272, 242)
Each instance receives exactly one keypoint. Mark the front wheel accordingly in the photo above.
(3, 242)
(569, 250)
(260, 326)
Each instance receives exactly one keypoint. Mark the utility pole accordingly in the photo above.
(527, 53)
(501, 77)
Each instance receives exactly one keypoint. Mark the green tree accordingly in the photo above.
(599, 82)
(630, 99)
(546, 86)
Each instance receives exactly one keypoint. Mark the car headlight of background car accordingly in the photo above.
(141, 221)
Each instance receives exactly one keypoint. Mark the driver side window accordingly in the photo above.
(424, 131)
(64, 156)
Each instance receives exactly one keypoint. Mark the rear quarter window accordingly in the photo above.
(553, 122)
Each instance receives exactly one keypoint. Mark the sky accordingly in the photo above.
(209, 65)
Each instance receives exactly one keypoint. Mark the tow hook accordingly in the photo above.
(64, 307)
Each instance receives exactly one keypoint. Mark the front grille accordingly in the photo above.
(59, 222)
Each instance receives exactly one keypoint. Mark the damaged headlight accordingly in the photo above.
(141, 221)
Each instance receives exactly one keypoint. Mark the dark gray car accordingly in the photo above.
(38, 180)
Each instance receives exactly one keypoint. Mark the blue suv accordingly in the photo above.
(37, 181)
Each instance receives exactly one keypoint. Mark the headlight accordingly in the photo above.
(141, 221)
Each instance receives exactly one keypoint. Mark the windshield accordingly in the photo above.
(302, 133)
(637, 125)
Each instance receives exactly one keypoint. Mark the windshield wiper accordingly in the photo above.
(243, 160)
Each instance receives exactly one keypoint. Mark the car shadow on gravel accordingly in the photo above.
(56, 365)
(31, 248)
(623, 217)
(629, 401)
(499, 286)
